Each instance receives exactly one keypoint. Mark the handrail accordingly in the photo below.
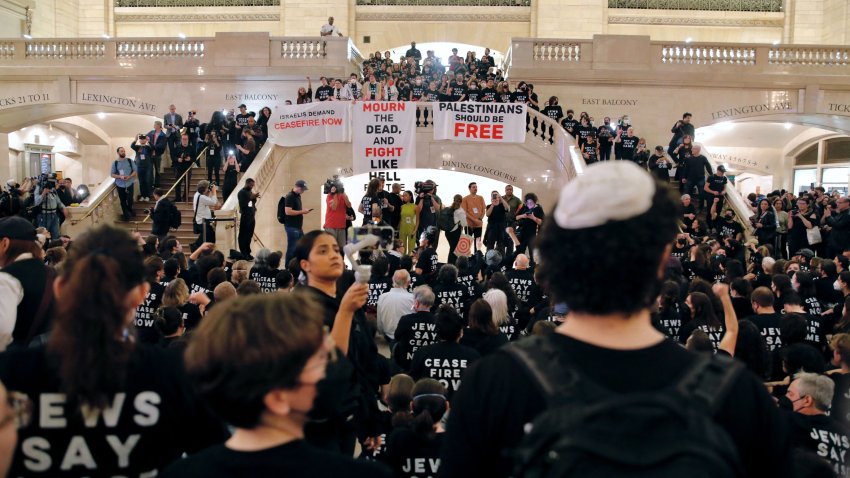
(257, 238)
(93, 207)
(179, 180)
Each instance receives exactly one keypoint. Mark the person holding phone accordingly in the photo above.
(293, 217)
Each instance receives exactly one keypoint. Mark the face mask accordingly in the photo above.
(836, 285)
(418, 82)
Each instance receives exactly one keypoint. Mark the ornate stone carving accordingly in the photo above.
(441, 16)
(693, 21)
(197, 3)
(706, 5)
(197, 17)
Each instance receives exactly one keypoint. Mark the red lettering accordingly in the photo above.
(484, 131)
(383, 106)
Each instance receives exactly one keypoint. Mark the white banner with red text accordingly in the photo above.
(383, 136)
(311, 123)
(486, 122)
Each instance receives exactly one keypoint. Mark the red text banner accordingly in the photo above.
(311, 123)
(383, 136)
(486, 122)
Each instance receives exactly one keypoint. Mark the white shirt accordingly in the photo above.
(460, 219)
(11, 295)
(203, 202)
(391, 306)
(328, 29)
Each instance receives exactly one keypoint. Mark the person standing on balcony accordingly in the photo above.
(124, 173)
(413, 52)
(329, 30)
(158, 141)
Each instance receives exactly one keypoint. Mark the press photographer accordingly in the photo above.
(337, 205)
(11, 199)
(203, 204)
(66, 192)
(50, 205)
(428, 205)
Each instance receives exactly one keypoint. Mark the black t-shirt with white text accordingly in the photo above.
(324, 93)
(488, 95)
(428, 263)
(266, 277)
(628, 144)
(145, 319)
(445, 362)
(413, 456)
(717, 183)
(473, 95)
(768, 325)
(455, 294)
(498, 398)
(414, 331)
(150, 423)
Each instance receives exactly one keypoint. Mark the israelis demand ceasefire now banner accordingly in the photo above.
(486, 122)
(311, 123)
(384, 136)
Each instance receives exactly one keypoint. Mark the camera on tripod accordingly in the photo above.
(47, 181)
(425, 187)
(331, 183)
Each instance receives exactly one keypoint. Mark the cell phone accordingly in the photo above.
(385, 233)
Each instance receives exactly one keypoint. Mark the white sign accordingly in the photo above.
(311, 123)
(384, 136)
(489, 122)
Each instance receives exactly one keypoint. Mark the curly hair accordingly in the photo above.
(612, 268)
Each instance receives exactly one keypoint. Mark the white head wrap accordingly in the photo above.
(607, 191)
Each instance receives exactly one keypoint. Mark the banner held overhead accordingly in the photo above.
(384, 136)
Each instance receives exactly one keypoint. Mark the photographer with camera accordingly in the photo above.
(428, 205)
(497, 220)
(11, 199)
(144, 163)
(204, 202)
(50, 205)
(193, 129)
(337, 205)
(173, 123)
(247, 217)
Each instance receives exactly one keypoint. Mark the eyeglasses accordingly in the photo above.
(19, 410)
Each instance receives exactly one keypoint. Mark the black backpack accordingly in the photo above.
(588, 431)
(281, 210)
(446, 219)
(174, 217)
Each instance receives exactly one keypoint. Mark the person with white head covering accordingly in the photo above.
(603, 252)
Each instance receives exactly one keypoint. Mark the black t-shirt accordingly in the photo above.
(823, 435)
(841, 398)
(148, 425)
(293, 201)
(715, 334)
(414, 331)
(497, 215)
(445, 362)
(266, 277)
(455, 294)
(717, 183)
(367, 202)
(527, 226)
(812, 306)
(191, 315)
(145, 320)
(680, 253)
(473, 95)
(417, 92)
(730, 229)
(604, 135)
(519, 96)
(292, 460)
(584, 132)
(670, 320)
(768, 324)
(458, 90)
(428, 262)
(591, 152)
(553, 111)
(432, 95)
(324, 93)
(412, 456)
(628, 144)
(484, 344)
(242, 120)
(498, 398)
(377, 287)
(571, 125)
(524, 286)
(504, 97)
(488, 95)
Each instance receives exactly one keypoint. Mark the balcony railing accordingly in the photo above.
(705, 5)
(197, 3)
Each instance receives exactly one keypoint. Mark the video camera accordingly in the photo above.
(333, 182)
(47, 181)
(424, 187)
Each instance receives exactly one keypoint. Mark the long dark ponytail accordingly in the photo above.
(89, 343)
(429, 406)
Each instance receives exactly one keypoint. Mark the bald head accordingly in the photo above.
(401, 279)
(521, 262)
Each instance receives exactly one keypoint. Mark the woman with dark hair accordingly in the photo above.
(765, 223)
(842, 326)
(680, 155)
(668, 317)
(372, 196)
(698, 265)
(780, 285)
(482, 334)
(97, 374)
(263, 122)
(804, 283)
(169, 323)
(231, 174)
(781, 244)
(529, 217)
(319, 259)
(800, 221)
(420, 441)
(460, 224)
(703, 318)
(305, 96)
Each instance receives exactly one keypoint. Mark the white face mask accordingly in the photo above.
(836, 285)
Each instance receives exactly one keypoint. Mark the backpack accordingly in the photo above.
(589, 431)
(281, 210)
(174, 217)
(10, 204)
(446, 219)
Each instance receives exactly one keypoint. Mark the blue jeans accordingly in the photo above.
(50, 221)
(292, 236)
